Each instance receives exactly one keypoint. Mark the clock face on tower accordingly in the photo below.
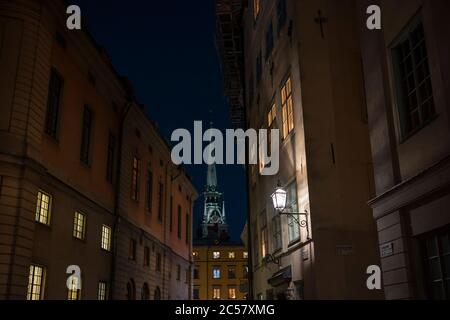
(215, 217)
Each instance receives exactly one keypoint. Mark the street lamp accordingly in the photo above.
(279, 198)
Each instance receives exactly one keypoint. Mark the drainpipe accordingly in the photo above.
(116, 198)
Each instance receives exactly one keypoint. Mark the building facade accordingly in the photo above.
(220, 271)
(153, 254)
(407, 88)
(64, 121)
(298, 73)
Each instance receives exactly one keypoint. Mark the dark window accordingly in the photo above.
(110, 158)
(436, 249)
(132, 250)
(135, 178)
(277, 235)
(269, 41)
(157, 294)
(178, 272)
(231, 272)
(145, 294)
(281, 13)
(196, 294)
(158, 262)
(53, 103)
(160, 201)
(258, 68)
(188, 231)
(146, 256)
(415, 92)
(131, 290)
(86, 135)
(149, 191)
(171, 214)
(179, 222)
(196, 273)
(292, 204)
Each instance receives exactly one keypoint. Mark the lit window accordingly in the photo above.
(79, 225)
(232, 293)
(43, 208)
(272, 115)
(74, 293)
(216, 293)
(102, 290)
(216, 255)
(231, 255)
(245, 255)
(36, 282)
(287, 111)
(245, 272)
(106, 238)
(264, 238)
(216, 272)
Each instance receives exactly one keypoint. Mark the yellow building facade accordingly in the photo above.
(220, 271)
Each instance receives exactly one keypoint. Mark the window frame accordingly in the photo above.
(32, 284)
(135, 178)
(37, 217)
(86, 142)
(405, 35)
(76, 232)
(54, 131)
(287, 112)
(108, 238)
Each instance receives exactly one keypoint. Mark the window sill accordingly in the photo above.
(294, 242)
(44, 225)
(51, 138)
(79, 239)
(408, 136)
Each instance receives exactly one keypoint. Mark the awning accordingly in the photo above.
(284, 276)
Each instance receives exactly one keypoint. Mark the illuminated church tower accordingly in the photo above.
(214, 223)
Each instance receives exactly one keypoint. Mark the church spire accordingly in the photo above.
(214, 224)
(211, 178)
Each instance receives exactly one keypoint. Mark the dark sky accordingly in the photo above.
(167, 50)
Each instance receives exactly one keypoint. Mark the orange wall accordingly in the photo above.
(64, 155)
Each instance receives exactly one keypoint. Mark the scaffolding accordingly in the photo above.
(229, 41)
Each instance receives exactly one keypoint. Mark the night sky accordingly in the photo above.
(167, 50)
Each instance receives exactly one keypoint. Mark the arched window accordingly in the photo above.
(145, 294)
(131, 290)
(157, 295)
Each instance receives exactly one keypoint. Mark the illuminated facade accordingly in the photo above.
(69, 126)
(220, 271)
(299, 74)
